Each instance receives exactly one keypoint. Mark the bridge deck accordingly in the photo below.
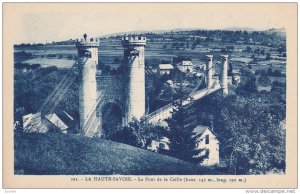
(165, 112)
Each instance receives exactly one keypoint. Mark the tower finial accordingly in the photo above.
(85, 36)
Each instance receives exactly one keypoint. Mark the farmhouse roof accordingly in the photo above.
(235, 72)
(165, 67)
(55, 120)
(185, 63)
(200, 129)
(199, 74)
(170, 82)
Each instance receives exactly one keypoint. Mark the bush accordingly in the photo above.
(26, 65)
(51, 55)
(70, 57)
(279, 84)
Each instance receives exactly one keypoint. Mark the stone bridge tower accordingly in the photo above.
(88, 60)
(134, 79)
(224, 69)
(209, 71)
(102, 94)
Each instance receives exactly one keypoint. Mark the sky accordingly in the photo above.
(38, 23)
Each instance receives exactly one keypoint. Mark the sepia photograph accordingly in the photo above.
(150, 93)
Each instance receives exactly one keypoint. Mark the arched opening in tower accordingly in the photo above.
(111, 119)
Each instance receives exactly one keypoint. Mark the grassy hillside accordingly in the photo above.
(73, 154)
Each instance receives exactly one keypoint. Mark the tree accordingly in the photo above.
(252, 139)
(268, 56)
(117, 60)
(181, 136)
(281, 49)
(277, 73)
(106, 69)
(230, 69)
(249, 50)
(193, 46)
(138, 133)
(250, 85)
(223, 50)
(270, 71)
(70, 57)
(18, 119)
(187, 44)
(264, 81)
(230, 48)
(257, 51)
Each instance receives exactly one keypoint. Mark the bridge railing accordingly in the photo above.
(193, 95)
(162, 109)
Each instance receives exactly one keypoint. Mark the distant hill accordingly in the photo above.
(279, 31)
(184, 29)
(241, 29)
(59, 154)
(148, 31)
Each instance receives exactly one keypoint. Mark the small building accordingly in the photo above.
(236, 78)
(31, 122)
(170, 82)
(185, 66)
(200, 67)
(56, 123)
(165, 69)
(264, 88)
(199, 75)
(208, 145)
(238, 49)
(163, 144)
(60, 122)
